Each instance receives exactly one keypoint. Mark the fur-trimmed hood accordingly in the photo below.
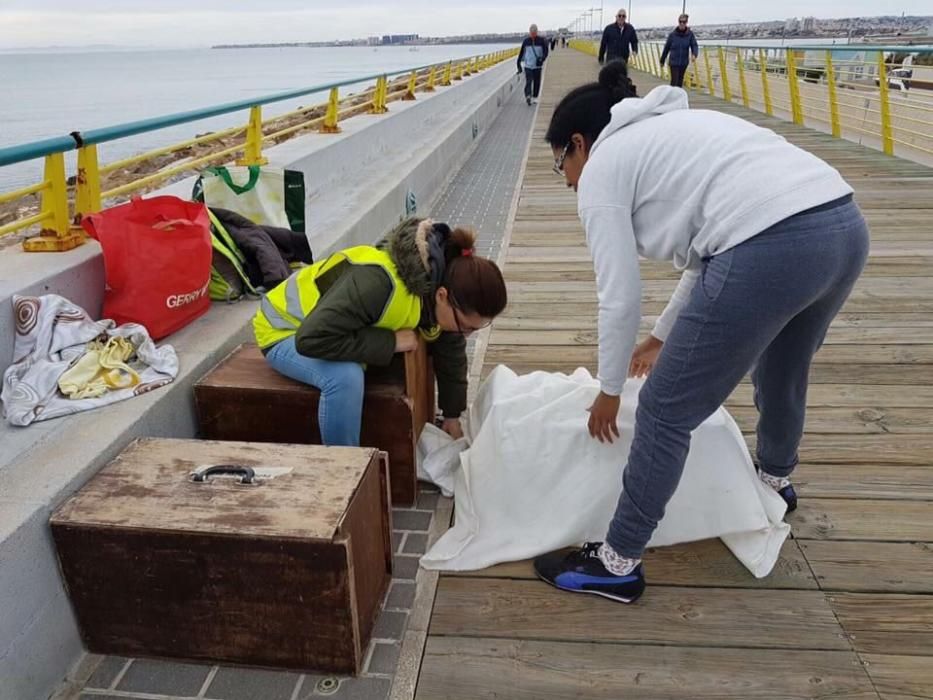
(416, 246)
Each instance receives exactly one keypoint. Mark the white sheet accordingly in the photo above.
(533, 480)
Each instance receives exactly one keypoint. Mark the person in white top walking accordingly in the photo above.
(770, 244)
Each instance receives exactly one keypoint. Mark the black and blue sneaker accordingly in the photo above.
(582, 571)
(790, 497)
(783, 486)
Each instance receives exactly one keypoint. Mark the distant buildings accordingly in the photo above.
(393, 39)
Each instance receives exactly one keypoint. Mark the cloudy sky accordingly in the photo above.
(172, 23)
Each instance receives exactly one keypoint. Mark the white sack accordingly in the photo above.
(533, 480)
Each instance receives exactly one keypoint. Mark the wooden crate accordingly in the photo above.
(243, 398)
(285, 572)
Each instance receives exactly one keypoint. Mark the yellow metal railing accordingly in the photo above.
(881, 96)
(60, 208)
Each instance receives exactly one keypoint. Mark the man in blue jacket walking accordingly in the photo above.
(531, 57)
(620, 40)
(682, 48)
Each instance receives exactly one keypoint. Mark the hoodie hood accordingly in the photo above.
(416, 246)
(661, 100)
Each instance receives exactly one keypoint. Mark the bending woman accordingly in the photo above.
(770, 244)
(362, 305)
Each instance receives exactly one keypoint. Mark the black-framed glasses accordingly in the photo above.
(457, 312)
(620, 16)
(559, 162)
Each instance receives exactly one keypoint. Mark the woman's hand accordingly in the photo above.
(645, 356)
(405, 340)
(603, 415)
(452, 427)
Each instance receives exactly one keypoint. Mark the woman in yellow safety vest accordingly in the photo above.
(362, 305)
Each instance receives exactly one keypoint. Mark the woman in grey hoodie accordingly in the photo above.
(770, 245)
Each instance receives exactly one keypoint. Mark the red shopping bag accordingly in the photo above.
(157, 258)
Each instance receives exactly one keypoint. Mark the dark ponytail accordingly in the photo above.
(475, 284)
(585, 110)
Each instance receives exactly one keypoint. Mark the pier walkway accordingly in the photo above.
(848, 611)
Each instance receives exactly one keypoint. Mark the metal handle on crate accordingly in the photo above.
(246, 474)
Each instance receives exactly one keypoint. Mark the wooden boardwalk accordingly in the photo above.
(848, 612)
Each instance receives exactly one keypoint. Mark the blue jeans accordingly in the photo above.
(341, 385)
(763, 306)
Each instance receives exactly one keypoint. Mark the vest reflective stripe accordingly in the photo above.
(293, 298)
(283, 308)
(275, 319)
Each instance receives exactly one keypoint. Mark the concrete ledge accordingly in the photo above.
(357, 183)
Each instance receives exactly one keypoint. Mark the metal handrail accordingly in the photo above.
(852, 95)
(54, 215)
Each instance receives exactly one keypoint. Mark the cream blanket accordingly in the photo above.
(533, 480)
(64, 362)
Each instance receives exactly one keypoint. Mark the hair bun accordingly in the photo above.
(614, 78)
(463, 238)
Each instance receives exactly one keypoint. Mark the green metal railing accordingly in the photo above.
(60, 210)
(881, 96)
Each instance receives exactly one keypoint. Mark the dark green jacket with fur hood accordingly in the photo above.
(353, 297)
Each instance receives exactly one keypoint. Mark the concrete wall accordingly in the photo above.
(357, 183)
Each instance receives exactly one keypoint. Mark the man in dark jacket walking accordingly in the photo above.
(620, 40)
(531, 58)
(682, 48)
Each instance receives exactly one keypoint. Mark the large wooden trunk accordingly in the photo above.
(288, 571)
(243, 398)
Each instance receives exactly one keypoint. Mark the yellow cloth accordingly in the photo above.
(102, 368)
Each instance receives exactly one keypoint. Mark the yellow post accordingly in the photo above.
(726, 92)
(740, 60)
(252, 154)
(379, 97)
(709, 72)
(887, 133)
(445, 80)
(330, 125)
(696, 74)
(410, 92)
(87, 183)
(57, 234)
(796, 107)
(765, 88)
(466, 67)
(430, 86)
(657, 54)
(459, 74)
(833, 100)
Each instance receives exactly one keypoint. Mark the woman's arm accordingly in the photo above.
(340, 328)
(450, 368)
(662, 327)
(611, 240)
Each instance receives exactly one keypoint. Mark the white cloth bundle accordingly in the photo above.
(533, 480)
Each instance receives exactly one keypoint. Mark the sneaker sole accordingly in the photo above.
(616, 598)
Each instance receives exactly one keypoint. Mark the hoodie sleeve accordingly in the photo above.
(611, 240)
(664, 324)
(693, 45)
(546, 50)
(634, 40)
(521, 53)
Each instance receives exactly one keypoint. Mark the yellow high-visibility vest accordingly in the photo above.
(282, 309)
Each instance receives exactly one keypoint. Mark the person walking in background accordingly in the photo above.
(620, 40)
(682, 49)
(531, 58)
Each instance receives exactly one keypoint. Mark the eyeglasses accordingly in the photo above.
(681, 21)
(620, 16)
(559, 163)
(462, 329)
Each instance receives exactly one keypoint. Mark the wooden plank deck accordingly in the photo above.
(848, 612)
